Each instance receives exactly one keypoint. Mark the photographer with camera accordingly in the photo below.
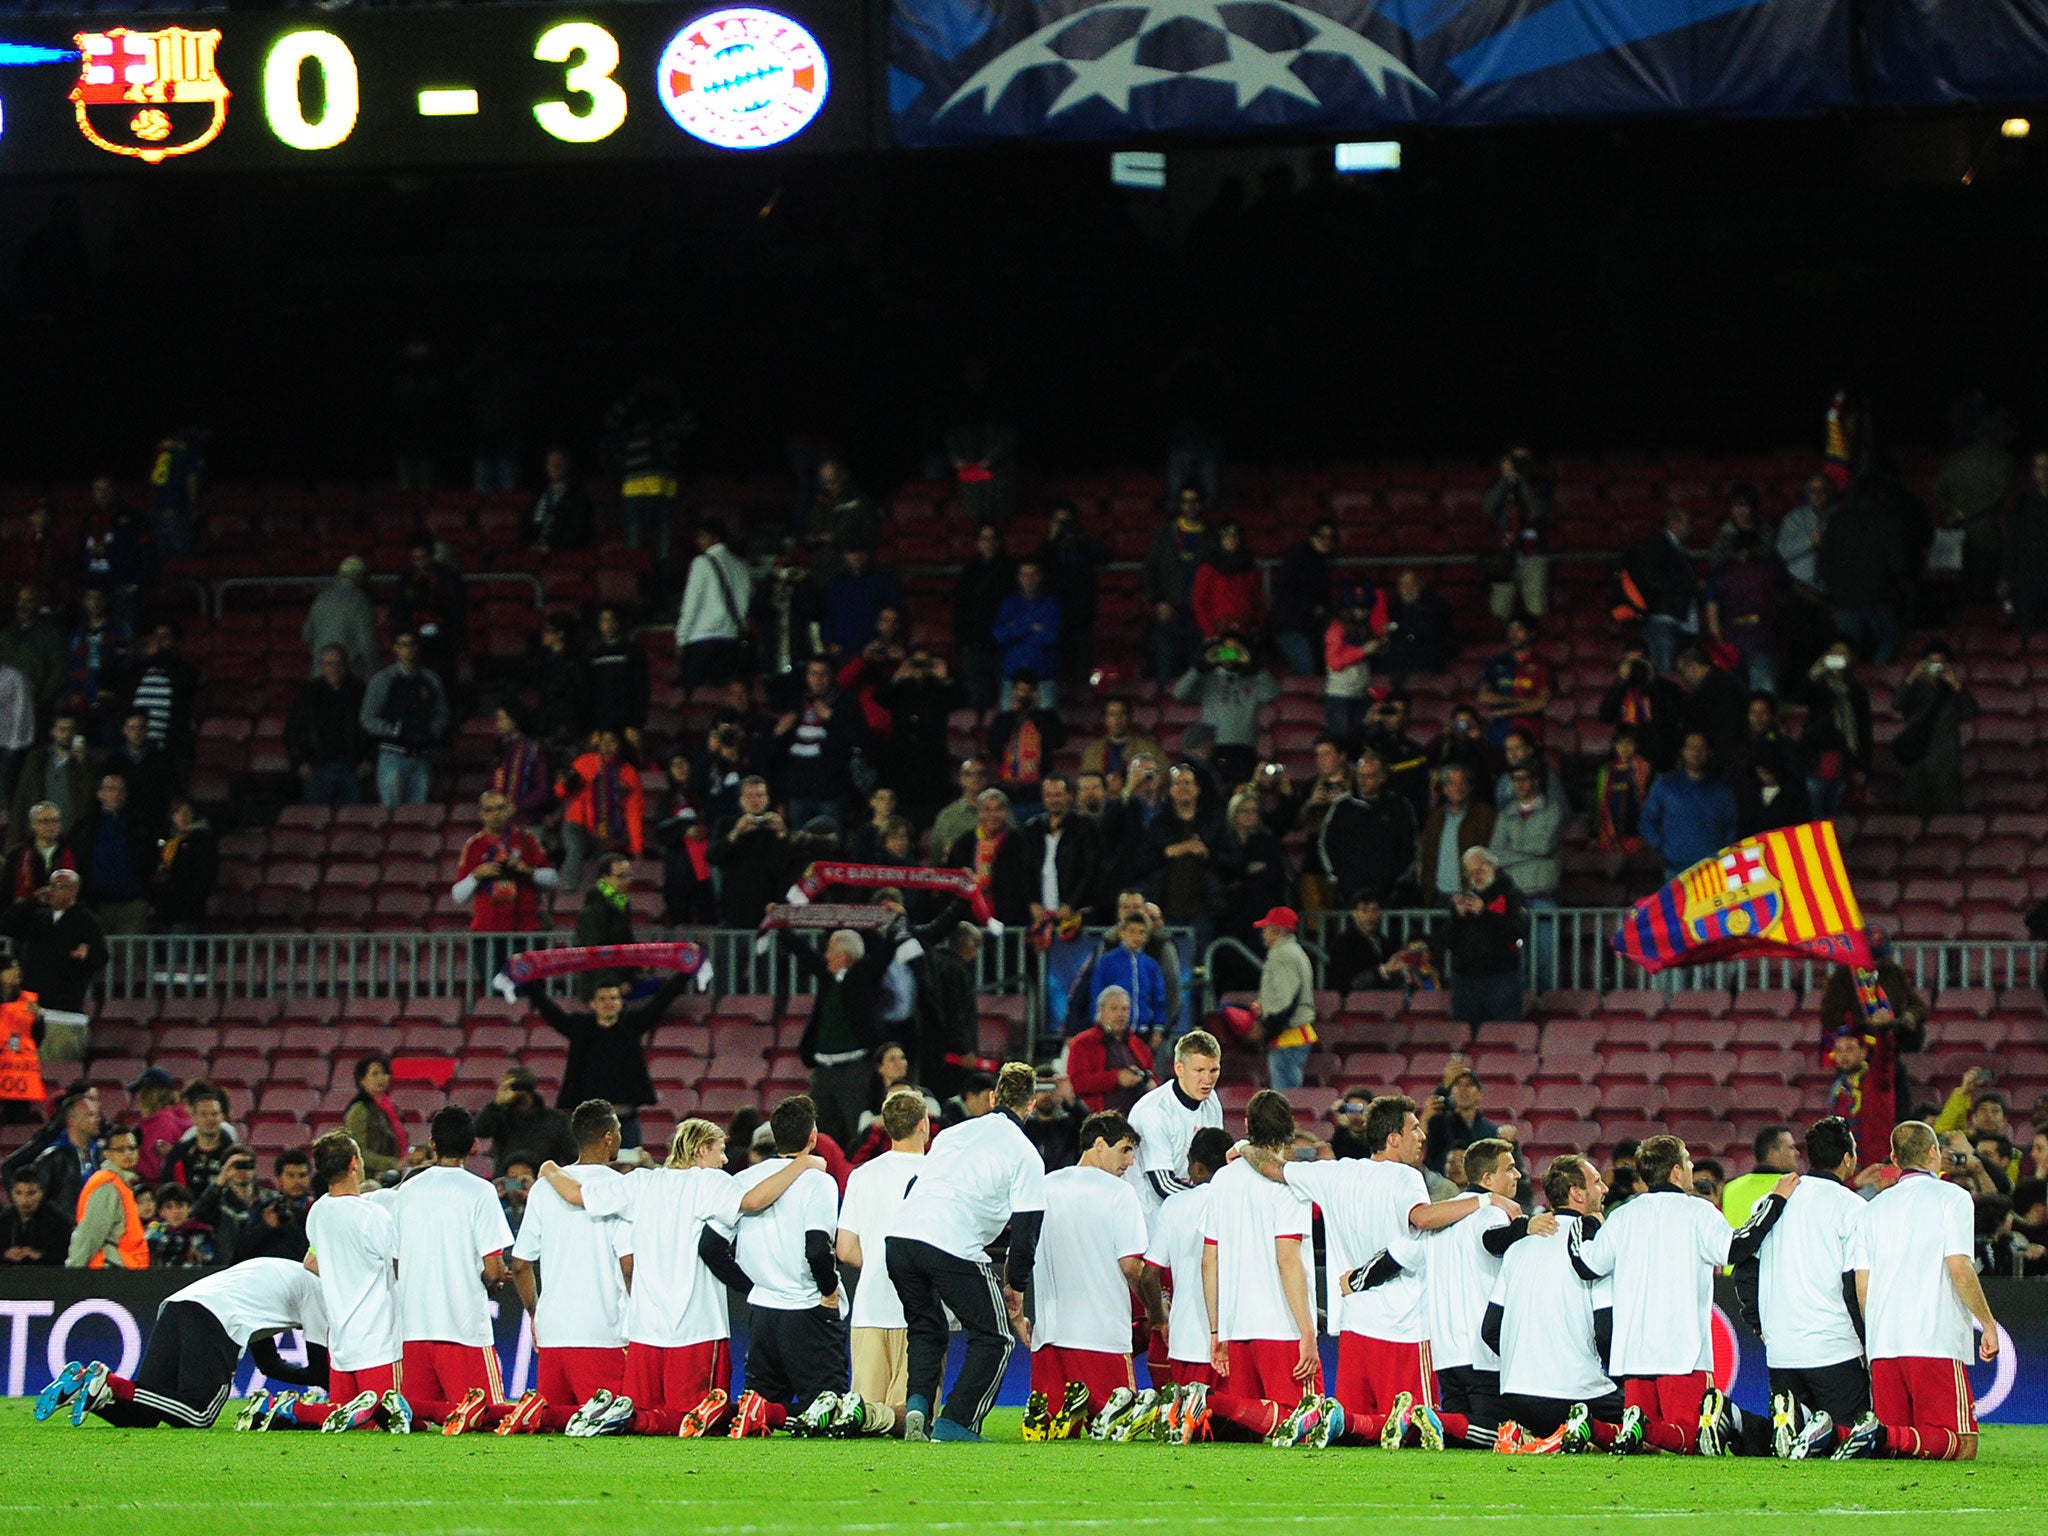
(1935, 705)
(1230, 686)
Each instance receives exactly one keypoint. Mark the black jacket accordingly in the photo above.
(977, 593)
(180, 894)
(915, 759)
(1419, 637)
(561, 519)
(1077, 864)
(1301, 591)
(609, 1064)
(616, 676)
(1718, 708)
(151, 781)
(326, 724)
(1658, 708)
(598, 922)
(1488, 943)
(1368, 846)
(1665, 574)
(142, 851)
(539, 1134)
(1052, 735)
(755, 864)
(48, 1232)
(861, 987)
(45, 943)
(1013, 884)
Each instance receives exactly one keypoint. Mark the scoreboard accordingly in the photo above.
(509, 84)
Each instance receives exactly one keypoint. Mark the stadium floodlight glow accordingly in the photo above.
(591, 77)
(1144, 169)
(2015, 128)
(285, 109)
(1363, 157)
(743, 78)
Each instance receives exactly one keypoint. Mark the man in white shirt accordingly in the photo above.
(1662, 1248)
(1260, 1303)
(1166, 1119)
(579, 1314)
(1799, 1293)
(188, 1367)
(880, 1337)
(1918, 1297)
(1384, 1376)
(1550, 1327)
(1090, 1258)
(452, 1237)
(796, 1318)
(981, 1175)
(711, 625)
(352, 1245)
(1173, 1279)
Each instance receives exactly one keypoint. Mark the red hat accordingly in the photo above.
(1280, 917)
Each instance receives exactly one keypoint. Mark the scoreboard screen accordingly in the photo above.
(512, 84)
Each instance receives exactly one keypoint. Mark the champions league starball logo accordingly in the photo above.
(742, 78)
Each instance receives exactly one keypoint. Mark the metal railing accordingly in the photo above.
(228, 584)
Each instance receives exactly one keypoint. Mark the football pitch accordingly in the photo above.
(57, 1481)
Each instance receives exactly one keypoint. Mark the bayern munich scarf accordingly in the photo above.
(872, 877)
(545, 964)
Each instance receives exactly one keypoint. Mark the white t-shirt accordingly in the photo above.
(1817, 1240)
(1662, 1250)
(1910, 1232)
(975, 1177)
(772, 1247)
(874, 1200)
(1457, 1277)
(1247, 1213)
(1174, 1244)
(1166, 1127)
(1547, 1347)
(676, 1300)
(260, 1297)
(449, 1222)
(582, 1288)
(1365, 1213)
(356, 1242)
(1092, 1224)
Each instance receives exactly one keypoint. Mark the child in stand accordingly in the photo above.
(1619, 789)
(176, 1241)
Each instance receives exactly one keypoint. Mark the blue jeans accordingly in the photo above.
(1826, 794)
(1874, 627)
(332, 784)
(1664, 637)
(1300, 651)
(645, 521)
(1760, 672)
(802, 810)
(402, 779)
(1285, 1064)
(1345, 718)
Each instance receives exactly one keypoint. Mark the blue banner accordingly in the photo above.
(966, 70)
(1933, 52)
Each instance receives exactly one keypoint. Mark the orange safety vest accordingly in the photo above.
(132, 1245)
(21, 1070)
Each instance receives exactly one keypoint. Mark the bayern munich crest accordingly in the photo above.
(742, 78)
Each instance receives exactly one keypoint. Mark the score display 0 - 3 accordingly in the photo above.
(489, 84)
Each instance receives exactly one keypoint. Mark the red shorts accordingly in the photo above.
(573, 1375)
(344, 1386)
(677, 1378)
(437, 1372)
(1186, 1373)
(1372, 1372)
(1264, 1368)
(1054, 1365)
(1668, 1399)
(1914, 1392)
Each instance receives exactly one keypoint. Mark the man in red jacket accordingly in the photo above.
(501, 874)
(1110, 1068)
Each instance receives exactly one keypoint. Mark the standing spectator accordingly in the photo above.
(96, 665)
(1349, 645)
(17, 717)
(45, 851)
(1023, 738)
(1302, 588)
(276, 1224)
(33, 1231)
(1742, 598)
(1619, 790)
(561, 517)
(1664, 574)
(186, 870)
(63, 949)
(1970, 490)
(1836, 740)
(1286, 1007)
(1419, 631)
(324, 737)
(561, 685)
(919, 697)
(1713, 703)
(196, 1161)
(72, 1156)
(949, 1022)
(845, 1026)
(1028, 628)
(1483, 939)
(500, 875)
(1528, 845)
(1065, 852)
(1463, 742)
(1130, 966)
(429, 603)
(606, 916)
(603, 808)
(1518, 503)
(1806, 621)
(519, 1127)
(110, 1228)
(1863, 561)
(1407, 760)
(1770, 791)
(840, 518)
(1745, 516)
(146, 769)
(816, 742)
(1453, 1117)
(156, 1097)
(33, 642)
(1230, 687)
(1109, 1064)
(1362, 957)
(854, 601)
(1367, 845)
(167, 693)
(1690, 814)
(1184, 862)
(683, 835)
(752, 857)
(957, 817)
(372, 1118)
(711, 625)
(1111, 752)
(993, 848)
(117, 856)
(1936, 706)
(985, 581)
(789, 617)
(2025, 577)
(1228, 598)
(1261, 877)
(1518, 749)
(1179, 546)
(119, 553)
(643, 447)
(1458, 822)
(608, 1047)
(1070, 560)
(616, 673)
(176, 1241)
(860, 677)
(1516, 686)
(342, 616)
(405, 709)
(521, 775)
(1645, 703)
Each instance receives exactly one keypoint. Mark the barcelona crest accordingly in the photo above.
(149, 95)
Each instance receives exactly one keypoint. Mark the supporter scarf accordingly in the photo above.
(1021, 757)
(543, 964)
(521, 772)
(871, 877)
(389, 1106)
(825, 915)
(607, 800)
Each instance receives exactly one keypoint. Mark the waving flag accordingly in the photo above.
(1778, 893)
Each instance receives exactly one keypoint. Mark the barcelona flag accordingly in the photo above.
(1778, 893)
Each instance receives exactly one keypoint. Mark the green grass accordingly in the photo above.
(57, 1481)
